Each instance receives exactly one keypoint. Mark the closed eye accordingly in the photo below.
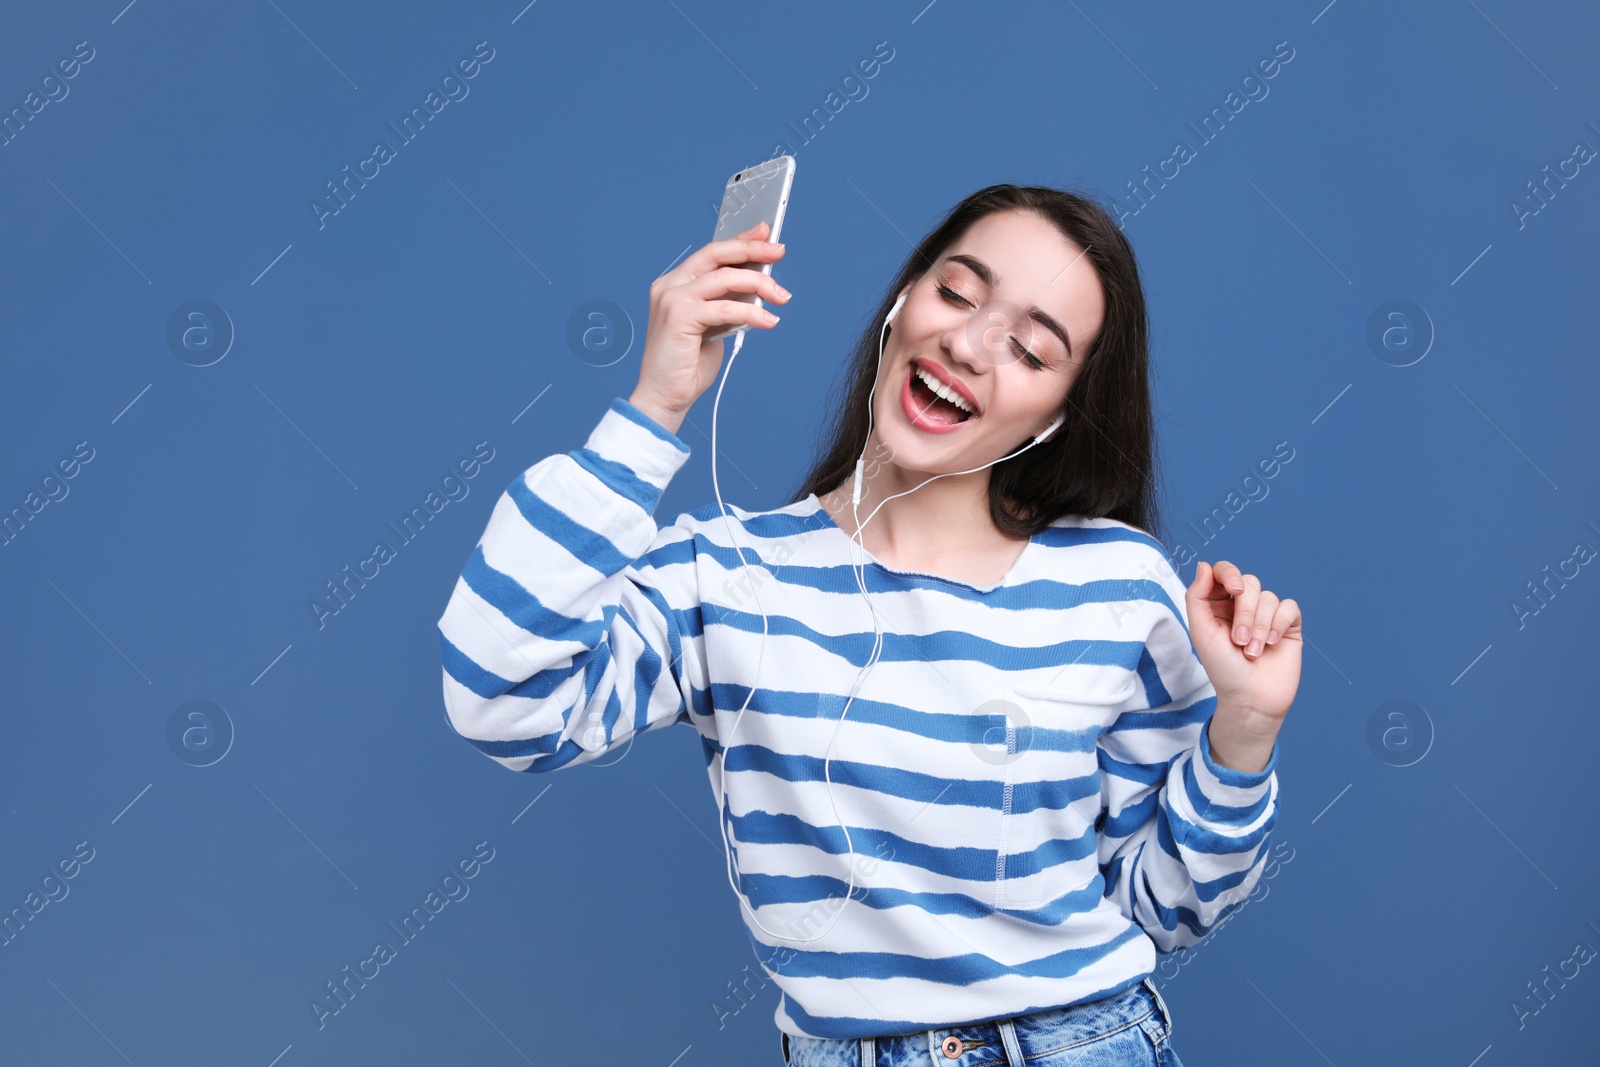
(960, 301)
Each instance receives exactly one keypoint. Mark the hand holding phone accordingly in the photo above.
(678, 362)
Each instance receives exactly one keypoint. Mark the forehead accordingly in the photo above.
(1035, 263)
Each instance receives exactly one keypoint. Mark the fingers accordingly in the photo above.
(1229, 576)
(1246, 590)
(1285, 621)
(717, 313)
(1260, 617)
(1261, 626)
(705, 304)
(1205, 598)
(736, 280)
(1203, 591)
(1204, 582)
(1222, 574)
(715, 254)
(1244, 609)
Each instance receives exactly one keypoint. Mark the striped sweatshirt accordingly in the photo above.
(1025, 773)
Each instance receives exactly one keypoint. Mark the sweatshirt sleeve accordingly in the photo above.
(1183, 839)
(568, 630)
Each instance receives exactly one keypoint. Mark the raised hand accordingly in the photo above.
(1249, 642)
(690, 301)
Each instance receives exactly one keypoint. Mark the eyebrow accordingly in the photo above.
(991, 279)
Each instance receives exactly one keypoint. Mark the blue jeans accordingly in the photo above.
(1127, 1029)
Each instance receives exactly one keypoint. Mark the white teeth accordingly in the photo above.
(944, 390)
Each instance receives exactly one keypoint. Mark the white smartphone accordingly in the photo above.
(755, 193)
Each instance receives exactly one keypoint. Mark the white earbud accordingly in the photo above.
(899, 302)
(1052, 428)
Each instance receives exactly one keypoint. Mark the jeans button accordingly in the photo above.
(951, 1047)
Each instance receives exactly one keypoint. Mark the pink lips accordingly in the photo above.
(914, 413)
(948, 379)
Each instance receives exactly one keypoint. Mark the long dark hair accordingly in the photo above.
(1101, 462)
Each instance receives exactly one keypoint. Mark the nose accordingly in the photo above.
(982, 341)
(965, 342)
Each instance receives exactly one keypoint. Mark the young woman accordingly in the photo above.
(978, 753)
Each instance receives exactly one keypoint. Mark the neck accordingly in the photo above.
(938, 517)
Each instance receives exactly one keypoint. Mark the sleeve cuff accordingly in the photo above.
(1224, 793)
(1229, 776)
(632, 454)
(622, 407)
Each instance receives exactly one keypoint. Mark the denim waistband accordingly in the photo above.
(997, 1042)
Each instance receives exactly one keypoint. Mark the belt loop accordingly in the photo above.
(1008, 1038)
(1166, 1016)
(869, 1052)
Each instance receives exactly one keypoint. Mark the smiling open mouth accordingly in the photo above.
(935, 401)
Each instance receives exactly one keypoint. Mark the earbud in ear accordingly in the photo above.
(1052, 428)
(899, 302)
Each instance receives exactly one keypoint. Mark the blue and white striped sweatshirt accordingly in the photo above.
(1025, 773)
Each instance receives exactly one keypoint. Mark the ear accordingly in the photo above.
(899, 302)
(1040, 437)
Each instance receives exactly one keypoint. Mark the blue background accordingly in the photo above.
(373, 352)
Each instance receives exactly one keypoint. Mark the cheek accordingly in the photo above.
(890, 373)
(1025, 403)
(888, 370)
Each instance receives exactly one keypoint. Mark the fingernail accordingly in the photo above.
(783, 292)
(1272, 636)
(1241, 634)
(769, 315)
(1254, 649)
